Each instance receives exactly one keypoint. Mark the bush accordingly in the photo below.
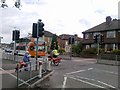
(61, 50)
(117, 52)
(90, 51)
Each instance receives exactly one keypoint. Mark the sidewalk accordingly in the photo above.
(9, 76)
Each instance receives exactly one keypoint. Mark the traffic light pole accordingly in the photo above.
(36, 53)
(14, 47)
(98, 47)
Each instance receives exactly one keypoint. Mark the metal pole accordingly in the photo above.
(37, 47)
(98, 52)
(36, 53)
(14, 46)
(17, 78)
(71, 48)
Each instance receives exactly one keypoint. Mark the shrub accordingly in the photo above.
(90, 51)
(61, 50)
(117, 52)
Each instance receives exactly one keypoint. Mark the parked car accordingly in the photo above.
(8, 50)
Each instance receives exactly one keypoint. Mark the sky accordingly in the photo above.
(59, 16)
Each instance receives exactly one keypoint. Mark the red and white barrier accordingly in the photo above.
(49, 64)
(40, 69)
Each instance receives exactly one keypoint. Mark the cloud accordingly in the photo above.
(59, 16)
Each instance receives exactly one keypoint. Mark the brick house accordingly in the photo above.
(65, 41)
(109, 29)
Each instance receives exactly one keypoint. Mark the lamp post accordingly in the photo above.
(0, 41)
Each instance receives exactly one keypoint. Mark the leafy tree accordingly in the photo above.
(54, 43)
(76, 49)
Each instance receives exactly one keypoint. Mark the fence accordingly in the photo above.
(35, 69)
(26, 74)
(108, 59)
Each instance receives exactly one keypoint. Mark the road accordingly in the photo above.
(82, 73)
(78, 73)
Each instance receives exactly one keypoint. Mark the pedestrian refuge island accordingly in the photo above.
(37, 71)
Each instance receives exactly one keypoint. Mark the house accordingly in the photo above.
(48, 38)
(65, 41)
(110, 29)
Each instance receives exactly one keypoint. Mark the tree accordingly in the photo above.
(54, 43)
(77, 48)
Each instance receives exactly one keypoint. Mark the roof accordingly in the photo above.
(66, 37)
(48, 34)
(105, 27)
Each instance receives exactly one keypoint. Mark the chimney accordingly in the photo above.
(108, 20)
(75, 35)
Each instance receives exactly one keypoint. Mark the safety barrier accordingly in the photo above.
(29, 74)
(37, 69)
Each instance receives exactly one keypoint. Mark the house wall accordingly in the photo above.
(107, 41)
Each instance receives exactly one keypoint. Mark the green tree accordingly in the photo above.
(77, 48)
(54, 43)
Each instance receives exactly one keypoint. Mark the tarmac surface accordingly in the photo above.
(73, 72)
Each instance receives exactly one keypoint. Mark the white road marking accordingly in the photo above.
(10, 71)
(75, 72)
(79, 71)
(96, 81)
(90, 68)
(86, 82)
(14, 76)
(110, 72)
(64, 82)
(106, 84)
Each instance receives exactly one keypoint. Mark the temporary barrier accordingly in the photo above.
(26, 75)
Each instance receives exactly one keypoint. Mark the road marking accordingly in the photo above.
(14, 76)
(10, 71)
(79, 71)
(96, 81)
(106, 84)
(86, 82)
(90, 68)
(110, 72)
(64, 82)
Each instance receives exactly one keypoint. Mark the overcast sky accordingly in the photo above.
(59, 16)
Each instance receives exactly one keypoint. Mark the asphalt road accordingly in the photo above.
(78, 73)
(82, 73)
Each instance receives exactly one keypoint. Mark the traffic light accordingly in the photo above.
(34, 30)
(73, 40)
(96, 39)
(13, 36)
(16, 35)
(101, 39)
(40, 28)
(69, 41)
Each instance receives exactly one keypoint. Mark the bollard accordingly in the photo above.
(49, 64)
(40, 69)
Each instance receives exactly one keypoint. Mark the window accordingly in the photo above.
(87, 46)
(87, 36)
(111, 34)
(110, 47)
(92, 45)
(66, 43)
(96, 33)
